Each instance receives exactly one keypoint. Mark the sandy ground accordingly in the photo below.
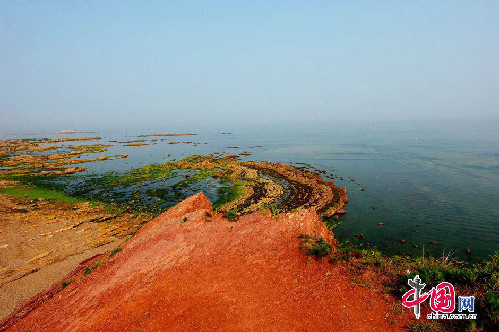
(42, 241)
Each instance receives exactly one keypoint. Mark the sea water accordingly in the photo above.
(424, 181)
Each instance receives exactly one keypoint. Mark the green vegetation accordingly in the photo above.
(185, 219)
(155, 172)
(145, 173)
(116, 156)
(89, 270)
(196, 177)
(115, 251)
(145, 189)
(67, 283)
(314, 246)
(274, 209)
(331, 223)
(227, 194)
(32, 192)
(53, 193)
(158, 192)
(231, 215)
(480, 280)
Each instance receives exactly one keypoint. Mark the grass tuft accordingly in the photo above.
(231, 215)
(314, 246)
(115, 251)
(89, 270)
(67, 283)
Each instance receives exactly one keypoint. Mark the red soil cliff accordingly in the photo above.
(189, 270)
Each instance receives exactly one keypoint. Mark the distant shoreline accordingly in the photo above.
(153, 135)
(57, 133)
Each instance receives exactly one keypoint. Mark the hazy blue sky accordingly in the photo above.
(92, 64)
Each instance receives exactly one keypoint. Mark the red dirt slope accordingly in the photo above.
(210, 274)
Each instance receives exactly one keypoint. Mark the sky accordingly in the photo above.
(86, 65)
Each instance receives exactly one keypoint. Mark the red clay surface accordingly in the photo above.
(209, 274)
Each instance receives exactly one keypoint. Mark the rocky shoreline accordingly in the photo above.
(265, 184)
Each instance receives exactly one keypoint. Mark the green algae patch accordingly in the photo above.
(244, 187)
(32, 192)
(231, 184)
(158, 192)
(195, 177)
(136, 176)
(229, 193)
(54, 192)
(150, 188)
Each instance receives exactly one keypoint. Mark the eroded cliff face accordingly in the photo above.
(190, 269)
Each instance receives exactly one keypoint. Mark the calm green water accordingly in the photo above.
(435, 181)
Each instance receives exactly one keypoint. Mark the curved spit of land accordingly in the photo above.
(274, 185)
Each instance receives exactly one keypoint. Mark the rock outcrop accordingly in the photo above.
(190, 269)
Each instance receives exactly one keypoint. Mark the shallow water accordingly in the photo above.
(434, 181)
